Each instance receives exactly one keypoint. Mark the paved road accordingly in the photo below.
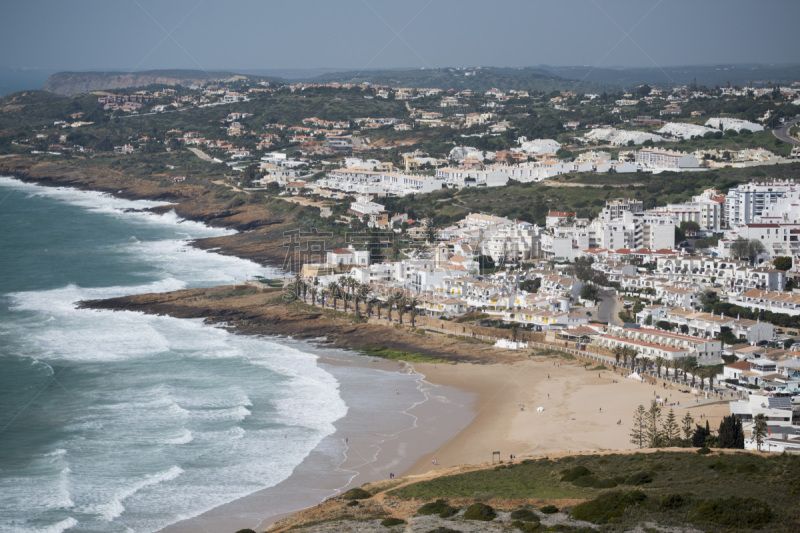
(202, 155)
(782, 132)
(609, 308)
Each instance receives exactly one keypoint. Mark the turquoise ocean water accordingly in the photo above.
(119, 421)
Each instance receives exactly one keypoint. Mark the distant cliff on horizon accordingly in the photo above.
(69, 83)
(543, 78)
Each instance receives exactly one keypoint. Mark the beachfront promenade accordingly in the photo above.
(588, 352)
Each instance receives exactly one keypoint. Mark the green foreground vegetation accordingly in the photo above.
(712, 492)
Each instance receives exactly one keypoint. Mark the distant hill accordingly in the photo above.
(710, 76)
(69, 83)
(583, 79)
(477, 79)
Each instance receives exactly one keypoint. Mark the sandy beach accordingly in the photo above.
(581, 409)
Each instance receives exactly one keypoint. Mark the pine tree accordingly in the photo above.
(687, 422)
(653, 433)
(700, 435)
(640, 421)
(731, 433)
(671, 431)
(759, 430)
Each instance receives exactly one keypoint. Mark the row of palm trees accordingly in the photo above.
(348, 289)
(687, 365)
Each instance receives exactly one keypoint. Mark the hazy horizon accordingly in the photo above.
(371, 35)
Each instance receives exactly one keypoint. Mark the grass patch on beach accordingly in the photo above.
(535, 479)
(547, 352)
(397, 355)
(232, 292)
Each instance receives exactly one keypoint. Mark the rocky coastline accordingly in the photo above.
(247, 310)
(260, 233)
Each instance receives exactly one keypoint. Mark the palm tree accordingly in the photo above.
(360, 295)
(322, 294)
(314, 290)
(633, 354)
(352, 284)
(413, 311)
(674, 364)
(711, 374)
(401, 303)
(617, 351)
(304, 287)
(691, 366)
(370, 306)
(389, 304)
(342, 285)
(704, 372)
(333, 289)
(296, 285)
(659, 362)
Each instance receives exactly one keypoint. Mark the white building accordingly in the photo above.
(747, 202)
(655, 159)
(513, 243)
(364, 206)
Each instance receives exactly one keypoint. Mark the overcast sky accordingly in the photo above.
(361, 34)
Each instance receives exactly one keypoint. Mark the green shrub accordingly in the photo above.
(672, 501)
(525, 515)
(245, 531)
(571, 474)
(580, 476)
(748, 468)
(392, 521)
(639, 478)
(439, 507)
(608, 506)
(480, 511)
(549, 509)
(356, 494)
(704, 451)
(733, 512)
(527, 526)
(352, 503)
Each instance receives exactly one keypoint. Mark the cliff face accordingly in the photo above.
(69, 83)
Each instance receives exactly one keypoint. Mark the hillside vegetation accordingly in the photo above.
(684, 491)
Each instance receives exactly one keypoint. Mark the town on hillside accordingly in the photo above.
(656, 228)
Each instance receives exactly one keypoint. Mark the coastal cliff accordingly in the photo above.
(69, 83)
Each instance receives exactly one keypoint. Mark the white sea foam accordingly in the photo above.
(177, 417)
(61, 526)
(184, 438)
(114, 508)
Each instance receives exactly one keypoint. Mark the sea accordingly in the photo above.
(122, 421)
